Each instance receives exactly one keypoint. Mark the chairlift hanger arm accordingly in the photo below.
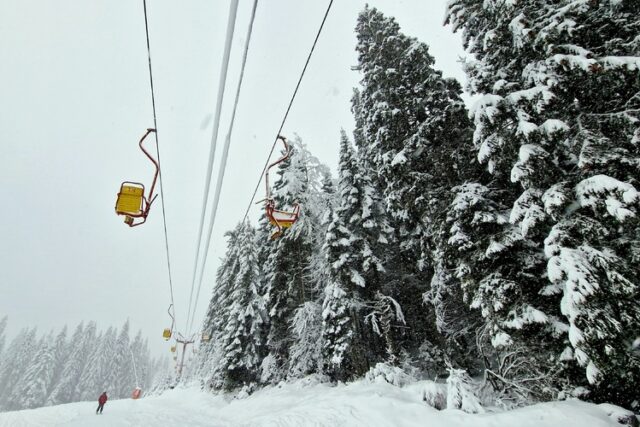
(279, 218)
(150, 200)
(280, 160)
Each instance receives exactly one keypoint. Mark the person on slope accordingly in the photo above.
(101, 401)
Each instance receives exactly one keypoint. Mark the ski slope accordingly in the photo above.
(300, 404)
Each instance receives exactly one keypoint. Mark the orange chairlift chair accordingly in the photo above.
(279, 218)
(131, 202)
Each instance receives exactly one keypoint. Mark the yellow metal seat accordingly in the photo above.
(283, 219)
(166, 334)
(130, 199)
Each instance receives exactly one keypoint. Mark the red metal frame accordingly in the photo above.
(173, 319)
(270, 204)
(147, 201)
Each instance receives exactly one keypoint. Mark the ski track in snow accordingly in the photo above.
(299, 404)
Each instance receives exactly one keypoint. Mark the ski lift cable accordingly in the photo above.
(192, 312)
(286, 114)
(223, 162)
(233, 8)
(155, 125)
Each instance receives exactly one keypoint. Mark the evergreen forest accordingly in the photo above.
(56, 368)
(493, 243)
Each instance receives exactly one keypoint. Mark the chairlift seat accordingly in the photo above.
(166, 334)
(282, 218)
(130, 199)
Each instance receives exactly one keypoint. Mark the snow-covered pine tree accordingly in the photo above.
(319, 270)
(287, 282)
(306, 325)
(255, 313)
(6, 365)
(216, 319)
(412, 132)
(558, 117)
(414, 126)
(235, 321)
(65, 390)
(158, 367)
(243, 335)
(337, 334)
(99, 365)
(31, 390)
(3, 326)
(20, 354)
(355, 243)
(462, 393)
(165, 378)
(121, 379)
(502, 265)
(148, 370)
(467, 260)
(61, 352)
(306, 351)
(143, 367)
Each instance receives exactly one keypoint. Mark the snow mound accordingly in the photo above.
(300, 404)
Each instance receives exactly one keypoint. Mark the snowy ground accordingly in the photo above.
(359, 404)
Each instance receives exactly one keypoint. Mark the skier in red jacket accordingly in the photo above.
(101, 401)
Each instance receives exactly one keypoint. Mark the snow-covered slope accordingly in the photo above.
(359, 404)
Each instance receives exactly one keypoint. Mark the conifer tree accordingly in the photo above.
(412, 124)
(355, 241)
(242, 336)
(121, 377)
(557, 124)
(337, 332)
(460, 392)
(66, 389)
(99, 354)
(31, 391)
(21, 352)
(143, 367)
(288, 285)
(413, 134)
(216, 320)
(61, 351)
(235, 320)
(158, 366)
(3, 326)
(306, 350)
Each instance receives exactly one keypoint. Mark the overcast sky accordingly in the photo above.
(75, 99)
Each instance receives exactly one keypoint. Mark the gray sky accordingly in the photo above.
(75, 99)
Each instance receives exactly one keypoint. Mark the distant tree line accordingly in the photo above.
(504, 241)
(57, 368)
